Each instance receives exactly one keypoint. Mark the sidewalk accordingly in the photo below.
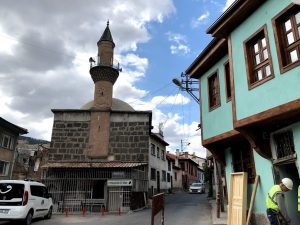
(223, 215)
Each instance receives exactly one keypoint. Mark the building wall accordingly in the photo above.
(219, 120)
(70, 136)
(7, 154)
(129, 136)
(158, 164)
(177, 184)
(271, 93)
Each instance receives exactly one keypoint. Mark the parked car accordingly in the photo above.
(24, 200)
(197, 188)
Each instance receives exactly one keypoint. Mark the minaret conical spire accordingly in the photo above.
(106, 36)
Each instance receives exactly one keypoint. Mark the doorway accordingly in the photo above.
(158, 181)
(289, 170)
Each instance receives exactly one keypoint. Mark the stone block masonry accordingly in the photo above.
(129, 136)
(70, 136)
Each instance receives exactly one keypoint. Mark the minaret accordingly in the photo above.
(104, 74)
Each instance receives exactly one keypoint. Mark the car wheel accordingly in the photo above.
(49, 214)
(28, 219)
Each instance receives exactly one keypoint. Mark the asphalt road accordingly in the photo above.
(181, 209)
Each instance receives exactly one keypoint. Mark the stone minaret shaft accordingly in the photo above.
(104, 76)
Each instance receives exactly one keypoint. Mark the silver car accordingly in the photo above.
(197, 188)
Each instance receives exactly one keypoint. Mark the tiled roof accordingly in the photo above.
(171, 156)
(112, 164)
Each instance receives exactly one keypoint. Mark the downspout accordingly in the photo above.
(13, 161)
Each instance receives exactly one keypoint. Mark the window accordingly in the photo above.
(153, 174)
(284, 144)
(286, 27)
(227, 81)
(163, 155)
(7, 142)
(152, 149)
(157, 152)
(169, 165)
(213, 91)
(175, 176)
(168, 177)
(258, 58)
(4, 167)
(163, 175)
(242, 160)
(37, 190)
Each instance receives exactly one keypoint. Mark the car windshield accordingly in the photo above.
(9, 191)
(196, 185)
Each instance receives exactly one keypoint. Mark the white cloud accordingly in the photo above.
(228, 3)
(200, 20)
(166, 100)
(179, 43)
(45, 65)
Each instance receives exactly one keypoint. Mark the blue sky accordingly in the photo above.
(45, 47)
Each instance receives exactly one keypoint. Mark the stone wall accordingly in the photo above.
(129, 136)
(70, 136)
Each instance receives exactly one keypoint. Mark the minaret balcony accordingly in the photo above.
(96, 61)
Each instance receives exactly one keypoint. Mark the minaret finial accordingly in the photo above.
(107, 22)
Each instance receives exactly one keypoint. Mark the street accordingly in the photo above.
(181, 208)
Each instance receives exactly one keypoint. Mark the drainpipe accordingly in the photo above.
(13, 161)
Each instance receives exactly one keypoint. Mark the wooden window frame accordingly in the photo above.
(227, 79)
(157, 152)
(280, 40)
(218, 104)
(249, 57)
(8, 144)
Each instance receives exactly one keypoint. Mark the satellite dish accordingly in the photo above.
(296, 2)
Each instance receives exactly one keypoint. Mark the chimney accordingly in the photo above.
(186, 155)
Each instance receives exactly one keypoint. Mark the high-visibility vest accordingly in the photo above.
(299, 198)
(271, 198)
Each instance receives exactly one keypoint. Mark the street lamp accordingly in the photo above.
(183, 142)
(186, 84)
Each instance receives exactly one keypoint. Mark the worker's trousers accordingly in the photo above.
(273, 217)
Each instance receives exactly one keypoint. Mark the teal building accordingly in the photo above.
(249, 82)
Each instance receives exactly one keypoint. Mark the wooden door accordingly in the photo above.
(237, 199)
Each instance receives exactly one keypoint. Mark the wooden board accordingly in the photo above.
(237, 199)
(252, 199)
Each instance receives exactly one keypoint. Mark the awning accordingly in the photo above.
(112, 164)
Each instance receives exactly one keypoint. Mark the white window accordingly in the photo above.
(4, 166)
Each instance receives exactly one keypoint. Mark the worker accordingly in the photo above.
(276, 210)
(299, 198)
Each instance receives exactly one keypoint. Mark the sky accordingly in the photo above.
(45, 46)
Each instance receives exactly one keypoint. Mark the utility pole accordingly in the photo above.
(186, 84)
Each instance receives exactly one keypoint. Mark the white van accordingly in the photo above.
(24, 200)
